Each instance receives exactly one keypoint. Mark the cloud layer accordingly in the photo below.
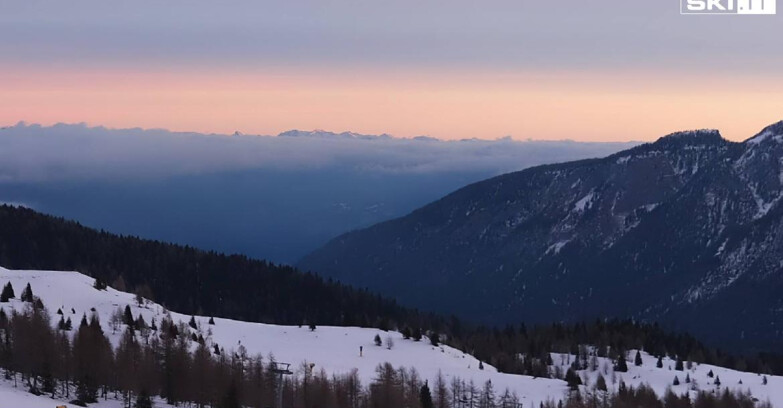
(30, 153)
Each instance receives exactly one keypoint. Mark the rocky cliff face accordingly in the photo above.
(687, 231)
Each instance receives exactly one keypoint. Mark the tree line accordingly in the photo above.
(193, 281)
(525, 350)
(81, 365)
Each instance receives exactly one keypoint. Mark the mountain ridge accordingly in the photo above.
(661, 231)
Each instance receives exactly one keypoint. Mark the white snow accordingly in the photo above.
(763, 206)
(650, 207)
(758, 139)
(584, 202)
(556, 247)
(660, 379)
(335, 349)
(18, 397)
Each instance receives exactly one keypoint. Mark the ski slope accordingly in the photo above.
(334, 349)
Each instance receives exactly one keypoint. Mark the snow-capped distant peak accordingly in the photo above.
(324, 134)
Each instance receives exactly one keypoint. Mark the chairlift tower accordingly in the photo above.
(280, 369)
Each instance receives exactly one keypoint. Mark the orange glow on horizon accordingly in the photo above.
(586, 106)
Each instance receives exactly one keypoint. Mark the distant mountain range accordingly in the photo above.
(687, 230)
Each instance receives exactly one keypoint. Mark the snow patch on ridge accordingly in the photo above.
(585, 202)
(556, 247)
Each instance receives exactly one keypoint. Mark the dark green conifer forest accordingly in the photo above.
(194, 281)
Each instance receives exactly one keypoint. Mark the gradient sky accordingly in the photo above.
(582, 70)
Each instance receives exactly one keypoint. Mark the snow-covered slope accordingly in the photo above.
(18, 397)
(661, 379)
(335, 349)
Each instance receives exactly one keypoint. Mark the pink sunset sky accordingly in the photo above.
(619, 71)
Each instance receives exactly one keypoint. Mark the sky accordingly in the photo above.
(610, 70)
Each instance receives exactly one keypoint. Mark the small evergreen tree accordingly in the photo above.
(416, 335)
(86, 394)
(710, 374)
(216, 350)
(173, 330)
(435, 339)
(192, 323)
(659, 364)
(717, 381)
(127, 317)
(27, 294)
(573, 379)
(425, 397)
(143, 400)
(312, 326)
(600, 383)
(68, 324)
(140, 323)
(99, 284)
(622, 389)
(8, 293)
(212, 321)
(676, 381)
(406, 333)
(638, 360)
(622, 365)
(481, 365)
(377, 340)
(679, 364)
(687, 378)
(764, 380)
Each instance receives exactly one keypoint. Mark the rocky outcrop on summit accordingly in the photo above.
(687, 230)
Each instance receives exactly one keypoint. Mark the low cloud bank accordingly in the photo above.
(30, 153)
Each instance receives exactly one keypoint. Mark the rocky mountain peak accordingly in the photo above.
(671, 231)
(692, 137)
(771, 132)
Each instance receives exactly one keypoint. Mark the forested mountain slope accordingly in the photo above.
(686, 231)
(190, 280)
